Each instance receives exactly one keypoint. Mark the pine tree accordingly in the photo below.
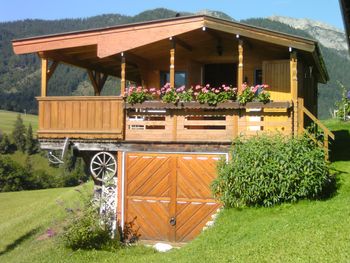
(18, 134)
(30, 141)
(5, 144)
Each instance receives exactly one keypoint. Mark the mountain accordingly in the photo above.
(20, 75)
(328, 36)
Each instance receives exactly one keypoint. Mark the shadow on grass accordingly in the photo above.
(18, 241)
(331, 188)
(340, 148)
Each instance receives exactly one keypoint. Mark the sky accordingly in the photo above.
(327, 11)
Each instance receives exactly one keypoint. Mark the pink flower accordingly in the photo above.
(158, 92)
(152, 89)
(244, 86)
(139, 89)
(254, 89)
(207, 86)
(217, 91)
(168, 90)
(198, 87)
(195, 94)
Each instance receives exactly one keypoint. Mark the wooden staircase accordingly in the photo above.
(316, 131)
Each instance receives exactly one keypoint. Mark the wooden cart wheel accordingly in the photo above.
(103, 166)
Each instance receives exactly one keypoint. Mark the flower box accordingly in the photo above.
(234, 105)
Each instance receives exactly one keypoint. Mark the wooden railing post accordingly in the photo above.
(44, 79)
(122, 75)
(326, 146)
(240, 66)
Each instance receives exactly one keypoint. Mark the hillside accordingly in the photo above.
(309, 231)
(20, 75)
(8, 118)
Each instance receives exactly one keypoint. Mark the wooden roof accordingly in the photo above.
(100, 49)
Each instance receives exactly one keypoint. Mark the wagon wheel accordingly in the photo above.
(103, 166)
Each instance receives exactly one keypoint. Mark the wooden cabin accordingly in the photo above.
(163, 156)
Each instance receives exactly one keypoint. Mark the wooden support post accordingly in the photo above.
(300, 116)
(240, 66)
(293, 62)
(122, 75)
(44, 80)
(172, 65)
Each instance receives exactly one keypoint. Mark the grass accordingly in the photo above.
(8, 118)
(309, 231)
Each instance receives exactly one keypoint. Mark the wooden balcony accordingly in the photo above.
(109, 118)
(194, 122)
(94, 117)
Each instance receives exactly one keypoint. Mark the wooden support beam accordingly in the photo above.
(76, 62)
(297, 114)
(52, 69)
(183, 44)
(240, 76)
(94, 82)
(122, 75)
(98, 80)
(44, 79)
(172, 65)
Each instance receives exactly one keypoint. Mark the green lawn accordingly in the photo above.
(309, 231)
(8, 118)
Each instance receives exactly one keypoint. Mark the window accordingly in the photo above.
(258, 77)
(180, 78)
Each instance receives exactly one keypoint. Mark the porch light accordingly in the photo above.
(290, 49)
(203, 28)
(237, 36)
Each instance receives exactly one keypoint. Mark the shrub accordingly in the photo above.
(268, 170)
(86, 229)
(73, 170)
(13, 177)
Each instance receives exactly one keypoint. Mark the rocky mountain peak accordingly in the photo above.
(329, 36)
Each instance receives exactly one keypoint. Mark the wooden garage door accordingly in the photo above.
(161, 187)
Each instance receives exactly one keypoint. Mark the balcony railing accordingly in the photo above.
(101, 118)
(194, 122)
(81, 117)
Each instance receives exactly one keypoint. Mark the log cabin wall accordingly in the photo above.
(254, 60)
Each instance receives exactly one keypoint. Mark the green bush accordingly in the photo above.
(268, 170)
(13, 177)
(86, 230)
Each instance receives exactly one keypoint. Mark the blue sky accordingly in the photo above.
(322, 10)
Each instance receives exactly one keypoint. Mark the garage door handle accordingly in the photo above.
(172, 221)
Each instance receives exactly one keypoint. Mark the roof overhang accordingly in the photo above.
(115, 40)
